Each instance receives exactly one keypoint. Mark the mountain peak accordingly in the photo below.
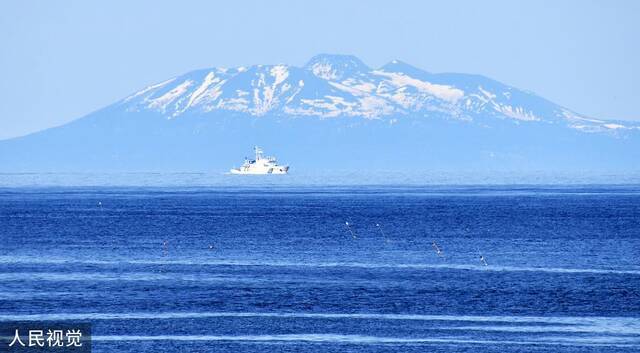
(335, 67)
(213, 114)
(343, 86)
(402, 67)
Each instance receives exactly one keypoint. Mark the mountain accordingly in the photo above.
(333, 113)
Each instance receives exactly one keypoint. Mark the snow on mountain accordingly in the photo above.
(336, 67)
(331, 86)
(334, 113)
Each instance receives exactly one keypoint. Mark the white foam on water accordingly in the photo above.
(93, 276)
(572, 328)
(616, 325)
(346, 264)
(361, 339)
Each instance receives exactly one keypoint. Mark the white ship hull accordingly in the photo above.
(279, 170)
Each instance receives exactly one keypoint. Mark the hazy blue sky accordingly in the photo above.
(60, 60)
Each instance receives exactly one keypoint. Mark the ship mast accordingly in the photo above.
(258, 153)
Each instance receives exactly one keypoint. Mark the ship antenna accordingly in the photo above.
(258, 152)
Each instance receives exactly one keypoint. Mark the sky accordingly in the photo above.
(60, 60)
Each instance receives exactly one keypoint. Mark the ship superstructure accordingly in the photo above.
(260, 165)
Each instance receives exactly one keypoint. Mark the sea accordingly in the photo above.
(169, 263)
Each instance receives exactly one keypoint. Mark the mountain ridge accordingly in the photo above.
(342, 85)
(335, 112)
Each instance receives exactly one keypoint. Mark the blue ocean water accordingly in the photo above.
(276, 269)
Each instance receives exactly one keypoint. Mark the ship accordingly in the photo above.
(260, 165)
